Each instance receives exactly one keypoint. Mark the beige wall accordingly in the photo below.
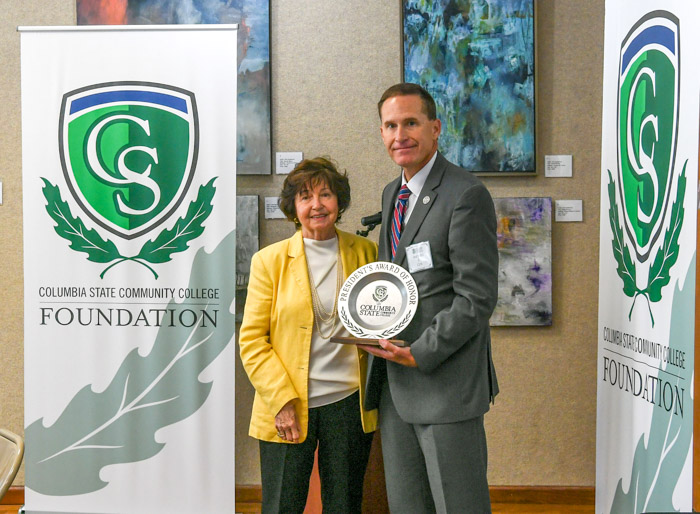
(14, 14)
(330, 63)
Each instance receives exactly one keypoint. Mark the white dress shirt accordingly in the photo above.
(416, 186)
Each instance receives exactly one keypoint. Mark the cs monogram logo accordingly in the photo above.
(380, 294)
(648, 98)
(128, 152)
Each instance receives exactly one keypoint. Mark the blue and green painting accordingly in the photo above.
(476, 57)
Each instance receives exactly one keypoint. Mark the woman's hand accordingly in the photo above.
(286, 423)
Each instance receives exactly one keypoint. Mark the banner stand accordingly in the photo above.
(648, 258)
(129, 166)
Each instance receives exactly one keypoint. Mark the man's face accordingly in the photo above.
(409, 136)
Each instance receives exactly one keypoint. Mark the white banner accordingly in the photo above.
(129, 141)
(649, 180)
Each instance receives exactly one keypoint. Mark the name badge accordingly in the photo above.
(419, 256)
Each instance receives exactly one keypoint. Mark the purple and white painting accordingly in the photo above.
(247, 243)
(525, 262)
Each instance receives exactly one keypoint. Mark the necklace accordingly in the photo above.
(321, 315)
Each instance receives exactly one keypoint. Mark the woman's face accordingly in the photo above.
(317, 211)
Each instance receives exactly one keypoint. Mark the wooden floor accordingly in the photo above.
(503, 508)
(498, 508)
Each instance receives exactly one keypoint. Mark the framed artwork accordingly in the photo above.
(525, 262)
(477, 59)
(247, 243)
(254, 142)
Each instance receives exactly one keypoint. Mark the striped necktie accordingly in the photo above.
(397, 222)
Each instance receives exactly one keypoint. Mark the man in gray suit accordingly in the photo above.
(432, 394)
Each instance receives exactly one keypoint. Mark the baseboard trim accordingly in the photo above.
(13, 496)
(248, 494)
(537, 495)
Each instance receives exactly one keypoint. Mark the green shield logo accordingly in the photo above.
(128, 151)
(647, 126)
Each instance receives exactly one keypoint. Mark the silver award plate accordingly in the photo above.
(378, 301)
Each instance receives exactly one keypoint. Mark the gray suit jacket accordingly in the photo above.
(449, 336)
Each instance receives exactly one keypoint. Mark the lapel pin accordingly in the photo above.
(426, 199)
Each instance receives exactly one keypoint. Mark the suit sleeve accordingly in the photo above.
(266, 371)
(473, 253)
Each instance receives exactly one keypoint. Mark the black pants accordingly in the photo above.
(343, 452)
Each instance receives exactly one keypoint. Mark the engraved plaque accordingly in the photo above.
(377, 301)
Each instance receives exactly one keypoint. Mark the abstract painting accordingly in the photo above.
(247, 243)
(254, 145)
(525, 262)
(477, 59)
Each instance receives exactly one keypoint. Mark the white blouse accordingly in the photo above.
(333, 368)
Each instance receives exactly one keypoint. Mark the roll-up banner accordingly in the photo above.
(648, 222)
(128, 156)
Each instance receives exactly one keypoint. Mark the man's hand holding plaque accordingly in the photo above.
(375, 303)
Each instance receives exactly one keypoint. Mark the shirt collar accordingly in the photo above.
(418, 180)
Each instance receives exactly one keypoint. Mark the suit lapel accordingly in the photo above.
(420, 210)
(297, 265)
(347, 256)
(389, 199)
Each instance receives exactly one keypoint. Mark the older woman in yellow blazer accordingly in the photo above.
(309, 391)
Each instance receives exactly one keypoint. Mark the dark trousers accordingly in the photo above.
(343, 452)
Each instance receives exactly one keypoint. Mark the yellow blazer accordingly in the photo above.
(275, 336)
